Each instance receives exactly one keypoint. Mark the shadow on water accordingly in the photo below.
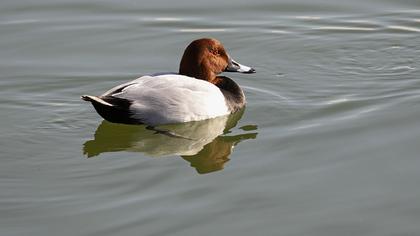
(206, 145)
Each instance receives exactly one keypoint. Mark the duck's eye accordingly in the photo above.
(215, 52)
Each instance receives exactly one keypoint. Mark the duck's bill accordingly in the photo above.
(233, 66)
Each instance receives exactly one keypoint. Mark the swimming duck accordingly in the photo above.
(196, 93)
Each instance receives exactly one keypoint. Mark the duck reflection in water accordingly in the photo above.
(206, 145)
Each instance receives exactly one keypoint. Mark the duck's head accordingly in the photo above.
(206, 58)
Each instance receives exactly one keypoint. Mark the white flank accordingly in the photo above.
(171, 98)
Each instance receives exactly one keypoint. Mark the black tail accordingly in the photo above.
(112, 109)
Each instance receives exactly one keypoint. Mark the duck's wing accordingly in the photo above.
(169, 98)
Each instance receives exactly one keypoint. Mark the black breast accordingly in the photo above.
(235, 98)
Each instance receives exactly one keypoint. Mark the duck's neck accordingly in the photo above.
(193, 67)
(198, 71)
(235, 98)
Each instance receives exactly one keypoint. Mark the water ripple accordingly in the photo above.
(203, 30)
(402, 28)
(344, 28)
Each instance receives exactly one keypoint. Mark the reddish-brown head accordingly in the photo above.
(206, 58)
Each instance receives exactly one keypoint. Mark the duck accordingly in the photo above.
(196, 93)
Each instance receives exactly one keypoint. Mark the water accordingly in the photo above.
(328, 143)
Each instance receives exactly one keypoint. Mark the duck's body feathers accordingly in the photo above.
(162, 99)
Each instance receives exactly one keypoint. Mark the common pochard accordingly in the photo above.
(196, 93)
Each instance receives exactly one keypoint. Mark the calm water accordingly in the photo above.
(328, 144)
